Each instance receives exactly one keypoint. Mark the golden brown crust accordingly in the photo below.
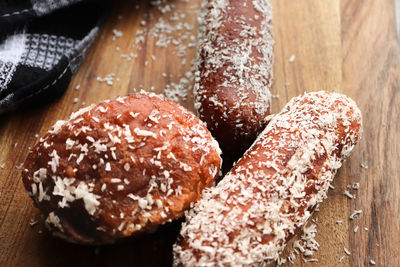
(120, 167)
(234, 70)
(247, 219)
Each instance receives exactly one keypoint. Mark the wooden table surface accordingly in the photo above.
(348, 46)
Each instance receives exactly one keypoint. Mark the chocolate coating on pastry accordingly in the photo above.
(120, 167)
(234, 70)
(268, 196)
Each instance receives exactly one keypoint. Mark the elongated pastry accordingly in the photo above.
(234, 70)
(271, 192)
(120, 167)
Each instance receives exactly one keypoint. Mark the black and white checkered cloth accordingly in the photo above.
(42, 43)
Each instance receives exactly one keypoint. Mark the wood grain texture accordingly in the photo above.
(345, 46)
(371, 68)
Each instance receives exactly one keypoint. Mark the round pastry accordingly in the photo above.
(120, 167)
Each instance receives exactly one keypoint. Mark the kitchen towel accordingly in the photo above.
(42, 44)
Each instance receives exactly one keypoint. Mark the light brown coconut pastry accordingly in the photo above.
(268, 196)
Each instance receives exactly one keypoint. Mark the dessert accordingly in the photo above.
(120, 167)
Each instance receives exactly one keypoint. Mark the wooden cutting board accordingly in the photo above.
(347, 46)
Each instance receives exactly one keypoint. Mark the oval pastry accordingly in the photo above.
(268, 196)
(234, 70)
(120, 167)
